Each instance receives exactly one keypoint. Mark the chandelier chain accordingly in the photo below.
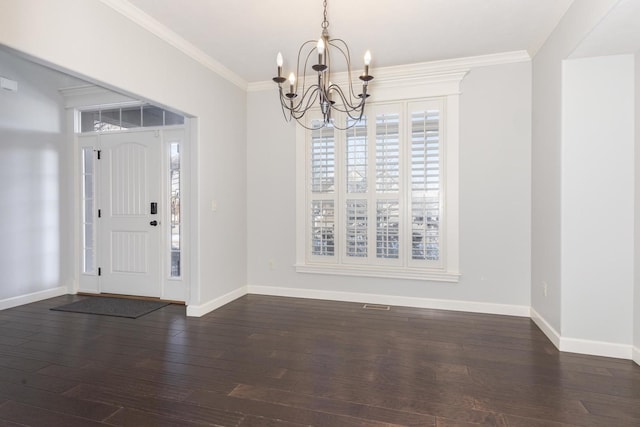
(325, 23)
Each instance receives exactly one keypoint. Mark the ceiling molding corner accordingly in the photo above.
(137, 16)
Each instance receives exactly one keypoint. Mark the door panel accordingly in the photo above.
(130, 180)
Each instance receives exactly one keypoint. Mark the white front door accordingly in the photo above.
(129, 228)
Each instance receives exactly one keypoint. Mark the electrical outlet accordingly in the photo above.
(545, 288)
(272, 264)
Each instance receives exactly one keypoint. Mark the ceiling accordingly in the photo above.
(617, 34)
(246, 35)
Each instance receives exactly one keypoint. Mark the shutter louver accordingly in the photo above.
(425, 185)
(357, 228)
(357, 157)
(387, 153)
(387, 228)
(322, 227)
(323, 160)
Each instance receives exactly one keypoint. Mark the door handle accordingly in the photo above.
(154, 223)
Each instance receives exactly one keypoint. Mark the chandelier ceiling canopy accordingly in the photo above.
(313, 86)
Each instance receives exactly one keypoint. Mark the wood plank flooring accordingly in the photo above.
(271, 361)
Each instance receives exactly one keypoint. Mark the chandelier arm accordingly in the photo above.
(347, 56)
(349, 111)
(306, 100)
(310, 128)
(303, 100)
(287, 117)
(346, 106)
(303, 76)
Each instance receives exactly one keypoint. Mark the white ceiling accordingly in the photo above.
(245, 35)
(617, 34)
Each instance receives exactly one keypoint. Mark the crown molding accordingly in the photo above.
(82, 90)
(89, 96)
(148, 23)
(434, 70)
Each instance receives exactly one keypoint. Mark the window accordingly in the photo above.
(88, 228)
(127, 117)
(373, 201)
(174, 197)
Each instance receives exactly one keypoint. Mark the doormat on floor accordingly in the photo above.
(106, 306)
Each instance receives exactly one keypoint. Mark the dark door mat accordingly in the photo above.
(119, 307)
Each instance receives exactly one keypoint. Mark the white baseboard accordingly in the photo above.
(565, 344)
(33, 297)
(546, 328)
(440, 304)
(202, 309)
(577, 345)
(596, 348)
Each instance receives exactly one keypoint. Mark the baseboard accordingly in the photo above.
(202, 309)
(596, 348)
(576, 345)
(440, 304)
(546, 328)
(33, 297)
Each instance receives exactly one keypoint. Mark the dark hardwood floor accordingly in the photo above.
(270, 361)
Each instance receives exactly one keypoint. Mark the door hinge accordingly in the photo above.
(99, 271)
(99, 152)
(99, 213)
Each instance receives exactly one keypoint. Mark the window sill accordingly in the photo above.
(381, 272)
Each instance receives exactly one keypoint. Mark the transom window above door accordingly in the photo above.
(126, 117)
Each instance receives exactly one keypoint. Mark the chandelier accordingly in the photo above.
(315, 88)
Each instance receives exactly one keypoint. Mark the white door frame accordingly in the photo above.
(174, 289)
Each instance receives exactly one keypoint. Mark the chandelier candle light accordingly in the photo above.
(294, 106)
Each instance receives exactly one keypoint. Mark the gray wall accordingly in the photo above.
(636, 305)
(152, 69)
(495, 112)
(35, 196)
(547, 155)
(598, 199)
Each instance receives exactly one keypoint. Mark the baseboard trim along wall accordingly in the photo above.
(202, 309)
(577, 345)
(546, 328)
(565, 344)
(33, 297)
(596, 348)
(440, 304)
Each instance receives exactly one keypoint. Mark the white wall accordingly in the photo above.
(67, 34)
(546, 245)
(35, 195)
(494, 198)
(636, 305)
(598, 199)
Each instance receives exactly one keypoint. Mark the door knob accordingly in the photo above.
(154, 223)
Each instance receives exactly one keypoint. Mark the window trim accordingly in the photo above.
(427, 90)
